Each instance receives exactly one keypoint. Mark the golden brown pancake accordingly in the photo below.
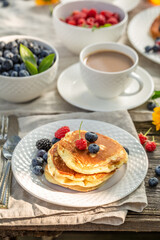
(51, 178)
(58, 172)
(155, 28)
(110, 156)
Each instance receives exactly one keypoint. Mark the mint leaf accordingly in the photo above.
(27, 55)
(46, 63)
(106, 25)
(155, 95)
(93, 28)
(31, 68)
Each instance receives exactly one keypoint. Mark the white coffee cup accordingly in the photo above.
(109, 84)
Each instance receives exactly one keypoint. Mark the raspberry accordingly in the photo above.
(100, 19)
(112, 20)
(150, 146)
(85, 10)
(142, 137)
(92, 12)
(90, 21)
(107, 14)
(81, 21)
(81, 144)
(72, 22)
(61, 132)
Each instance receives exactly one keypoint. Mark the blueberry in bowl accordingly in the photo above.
(28, 67)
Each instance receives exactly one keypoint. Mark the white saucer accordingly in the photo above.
(72, 89)
(138, 32)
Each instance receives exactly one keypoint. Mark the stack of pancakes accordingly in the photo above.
(79, 169)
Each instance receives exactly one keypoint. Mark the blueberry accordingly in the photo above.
(9, 55)
(45, 156)
(16, 58)
(40, 60)
(91, 136)
(37, 161)
(6, 52)
(38, 170)
(22, 66)
(14, 74)
(126, 149)
(93, 148)
(156, 48)
(15, 50)
(2, 59)
(41, 153)
(5, 3)
(151, 106)
(11, 45)
(44, 53)
(5, 74)
(36, 50)
(22, 41)
(23, 73)
(30, 45)
(2, 45)
(7, 64)
(153, 182)
(54, 140)
(157, 170)
(16, 67)
(148, 49)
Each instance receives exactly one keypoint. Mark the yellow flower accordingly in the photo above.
(156, 117)
(46, 2)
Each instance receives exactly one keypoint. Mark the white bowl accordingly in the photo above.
(76, 38)
(23, 89)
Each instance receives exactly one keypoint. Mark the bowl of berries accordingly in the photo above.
(28, 67)
(80, 23)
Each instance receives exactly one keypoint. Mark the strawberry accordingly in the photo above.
(81, 143)
(142, 137)
(150, 146)
(61, 132)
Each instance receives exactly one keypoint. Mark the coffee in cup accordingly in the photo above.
(107, 69)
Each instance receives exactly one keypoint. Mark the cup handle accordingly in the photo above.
(139, 80)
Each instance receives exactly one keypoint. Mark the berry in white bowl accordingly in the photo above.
(75, 37)
(23, 73)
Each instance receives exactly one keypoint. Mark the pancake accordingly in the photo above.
(110, 156)
(51, 178)
(155, 28)
(58, 172)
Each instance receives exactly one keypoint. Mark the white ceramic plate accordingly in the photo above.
(71, 87)
(126, 5)
(123, 182)
(138, 32)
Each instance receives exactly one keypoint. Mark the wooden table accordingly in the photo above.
(147, 221)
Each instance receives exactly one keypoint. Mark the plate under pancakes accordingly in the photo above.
(110, 156)
(57, 172)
